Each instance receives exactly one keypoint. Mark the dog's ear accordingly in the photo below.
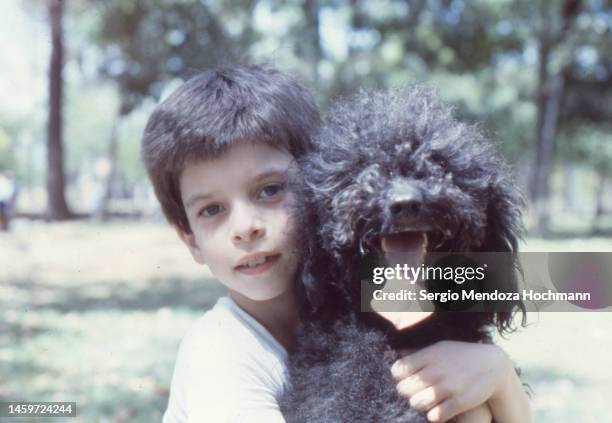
(316, 283)
(504, 226)
(320, 286)
(502, 235)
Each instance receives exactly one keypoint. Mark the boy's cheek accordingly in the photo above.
(199, 257)
(191, 242)
(289, 231)
(289, 202)
(288, 220)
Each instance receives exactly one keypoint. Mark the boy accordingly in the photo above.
(217, 152)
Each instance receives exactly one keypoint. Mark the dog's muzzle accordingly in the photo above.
(405, 206)
(406, 201)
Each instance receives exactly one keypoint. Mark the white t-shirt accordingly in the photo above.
(229, 369)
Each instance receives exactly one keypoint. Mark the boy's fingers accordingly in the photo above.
(452, 406)
(415, 383)
(429, 354)
(410, 386)
(442, 412)
(428, 398)
(406, 366)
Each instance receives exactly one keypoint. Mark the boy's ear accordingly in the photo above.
(191, 243)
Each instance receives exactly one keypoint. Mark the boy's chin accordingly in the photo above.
(272, 295)
(266, 295)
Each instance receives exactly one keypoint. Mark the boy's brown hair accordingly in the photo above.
(215, 110)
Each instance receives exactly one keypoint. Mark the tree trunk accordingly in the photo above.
(540, 100)
(313, 43)
(599, 201)
(113, 143)
(546, 144)
(601, 190)
(569, 194)
(56, 198)
(548, 101)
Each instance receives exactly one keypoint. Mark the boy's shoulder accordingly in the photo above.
(227, 367)
(228, 331)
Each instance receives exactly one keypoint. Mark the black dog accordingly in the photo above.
(393, 171)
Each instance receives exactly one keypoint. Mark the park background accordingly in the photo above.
(95, 289)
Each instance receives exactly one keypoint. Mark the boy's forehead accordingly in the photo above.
(240, 162)
(243, 156)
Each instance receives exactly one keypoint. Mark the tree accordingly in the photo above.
(146, 44)
(58, 208)
(549, 96)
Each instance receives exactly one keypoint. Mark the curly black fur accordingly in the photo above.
(374, 145)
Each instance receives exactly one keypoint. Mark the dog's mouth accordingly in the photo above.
(414, 241)
(406, 240)
(409, 247)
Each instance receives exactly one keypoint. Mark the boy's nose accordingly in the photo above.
(247, 227)
(248, 234)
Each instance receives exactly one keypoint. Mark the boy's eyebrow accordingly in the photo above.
(195, 198)
(268, 173)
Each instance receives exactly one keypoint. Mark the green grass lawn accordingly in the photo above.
(93, 313)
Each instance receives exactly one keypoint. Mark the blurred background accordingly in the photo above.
(95, 289)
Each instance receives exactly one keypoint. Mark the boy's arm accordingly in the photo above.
(449, 378)
(510, 403)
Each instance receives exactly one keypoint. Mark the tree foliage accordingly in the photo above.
(495, 60)
(146, 43)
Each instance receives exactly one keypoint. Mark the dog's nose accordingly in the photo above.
(407, 201)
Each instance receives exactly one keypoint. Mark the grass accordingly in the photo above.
(94, 313)
(115, 364)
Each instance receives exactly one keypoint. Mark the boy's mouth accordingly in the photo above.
(255, 264)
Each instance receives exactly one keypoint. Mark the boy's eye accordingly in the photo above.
(210, 211)
(270, 190)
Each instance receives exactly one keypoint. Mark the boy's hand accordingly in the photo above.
(480, 414)
(449, 378)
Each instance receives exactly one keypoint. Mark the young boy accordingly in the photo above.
(217, 152)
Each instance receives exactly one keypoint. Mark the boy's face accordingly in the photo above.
(238, 210)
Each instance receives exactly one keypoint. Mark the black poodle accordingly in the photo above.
(393, 171)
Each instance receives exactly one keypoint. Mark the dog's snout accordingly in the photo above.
(406, 201)
(405, 207)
